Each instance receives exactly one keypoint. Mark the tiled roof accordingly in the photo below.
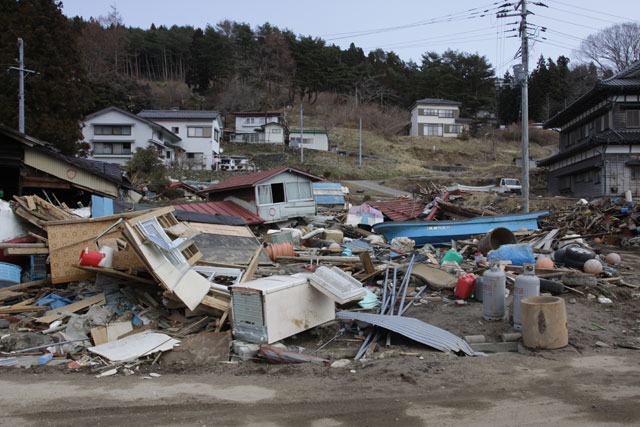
(133, 116)
(179, 114)
(607, 137)
(400, 209)
(250, 180)
(226, 207)
(438, 101)
(628, 79)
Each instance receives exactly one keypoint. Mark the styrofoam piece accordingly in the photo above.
(135, 346)
(337, 285)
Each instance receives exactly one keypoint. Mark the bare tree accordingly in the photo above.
(614, 48)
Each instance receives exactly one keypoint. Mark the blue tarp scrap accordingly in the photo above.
(54, 301)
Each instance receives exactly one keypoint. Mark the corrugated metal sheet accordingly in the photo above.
(254, 178)
(225, 207)
(414, 329)
(400, 209)
(69, 172)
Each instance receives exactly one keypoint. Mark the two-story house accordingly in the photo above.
(599, 149)
(259, 127)
(436, 117)
(114, 135)
(200, 131)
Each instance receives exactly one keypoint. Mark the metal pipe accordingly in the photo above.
(406, 286)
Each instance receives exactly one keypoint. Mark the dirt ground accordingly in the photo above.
(595, 380)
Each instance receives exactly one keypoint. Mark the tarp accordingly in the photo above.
(364, 214)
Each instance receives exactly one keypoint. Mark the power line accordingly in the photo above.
(568, 22)
(599, 12)
(436, 39)
(446, 18)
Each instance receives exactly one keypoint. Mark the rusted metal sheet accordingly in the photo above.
(400, 209)
(70, 173)
(225, 207)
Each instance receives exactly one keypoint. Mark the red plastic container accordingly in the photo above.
(90, 258)
(466, 286)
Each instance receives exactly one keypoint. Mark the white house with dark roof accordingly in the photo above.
(114, 135)
(436, 117)
(200, 131)
(259, 127)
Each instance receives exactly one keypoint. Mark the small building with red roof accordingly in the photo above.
(274, 195)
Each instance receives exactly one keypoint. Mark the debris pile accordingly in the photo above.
(112, 293)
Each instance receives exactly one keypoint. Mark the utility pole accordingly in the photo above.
(301, 138)
(360, 157)
(525, 107)
(20, 68)
(523, 72)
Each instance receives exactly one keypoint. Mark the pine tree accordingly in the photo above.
(56, 98)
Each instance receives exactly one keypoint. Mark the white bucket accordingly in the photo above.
(107, 261)
(628, 196)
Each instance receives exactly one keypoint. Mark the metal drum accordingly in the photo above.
(493, 290)
(527, 285)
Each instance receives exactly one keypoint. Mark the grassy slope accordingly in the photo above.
(398, 156)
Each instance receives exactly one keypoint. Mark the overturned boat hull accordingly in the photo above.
(442, 232)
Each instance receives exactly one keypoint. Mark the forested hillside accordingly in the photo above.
(88, 65)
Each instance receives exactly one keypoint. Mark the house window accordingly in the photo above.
(428, 112)
(633, 118)
(276, 131)
(453, 128)
(295, 141)
(199, 131)
(564, 183)
(191, 155)
(216, 135)
(635, 173)
(111, 130)
(249, 120)
(596, 176)
(432, 130)
(126, 148)
(299, 191)
(445, 113)
(160, 136)
(168, 154)
(271, 193)
(175, 130)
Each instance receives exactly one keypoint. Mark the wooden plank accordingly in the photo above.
(25, 302)
(227, 230)
(53, 315)
(27, 285)
(6, 295)
(331, 259)
(22, 245)
(151, 214)
(115, 273)
(366, 262)
(21, 309)
(216, 303)
(39, 237)
(26, 251)
(253, 264)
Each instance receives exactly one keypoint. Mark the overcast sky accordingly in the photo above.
(407, 27)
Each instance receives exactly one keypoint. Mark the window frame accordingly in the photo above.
(629, 115)
(203, 129)
(99, 130)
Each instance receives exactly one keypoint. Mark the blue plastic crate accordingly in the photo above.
(9, 274)
(38, 267)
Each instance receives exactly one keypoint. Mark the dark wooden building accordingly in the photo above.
(599, 151)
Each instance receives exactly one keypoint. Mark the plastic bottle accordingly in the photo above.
(452, 255)
(45, 358)
(526, 285)
(493, 294)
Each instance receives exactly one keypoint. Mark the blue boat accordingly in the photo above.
(442, 232)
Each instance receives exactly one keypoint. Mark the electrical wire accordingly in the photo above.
(599, 12)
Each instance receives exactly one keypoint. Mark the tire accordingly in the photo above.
(579, 254)
(555, 288)
(579, 279)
